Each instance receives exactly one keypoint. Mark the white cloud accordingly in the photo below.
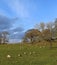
(18, 8)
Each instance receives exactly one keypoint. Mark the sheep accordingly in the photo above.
(25, 53)
(8, 56)
(19, 55)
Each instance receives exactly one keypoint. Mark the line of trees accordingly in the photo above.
(42, 31)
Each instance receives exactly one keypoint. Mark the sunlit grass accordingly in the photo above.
(28, 54)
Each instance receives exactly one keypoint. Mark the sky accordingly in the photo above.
(17, 16)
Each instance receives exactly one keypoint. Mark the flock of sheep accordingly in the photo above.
(24, 53)
(20, 55)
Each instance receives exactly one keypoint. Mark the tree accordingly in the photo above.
(55, 28)
(42, 26)
(31, 35)
(50, 26)
(0, 38)
(37, 26)
(55, 23)
(46, 34)
(5, 36)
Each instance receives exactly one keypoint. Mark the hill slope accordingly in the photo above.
(27, 55)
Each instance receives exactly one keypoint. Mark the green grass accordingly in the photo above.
(42, 56)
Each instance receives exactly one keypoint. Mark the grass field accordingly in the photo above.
(27, 54)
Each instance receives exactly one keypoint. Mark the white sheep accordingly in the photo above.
(19, 55)
(8, 56)
(25, 53)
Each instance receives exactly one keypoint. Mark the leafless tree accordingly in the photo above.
(5, 38)
(42, 26)
(50, 26)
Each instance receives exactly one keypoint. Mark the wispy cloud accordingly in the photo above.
(18, 8)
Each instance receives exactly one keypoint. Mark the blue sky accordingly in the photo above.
(25, 14)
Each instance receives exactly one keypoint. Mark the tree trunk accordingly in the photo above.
(50, 44)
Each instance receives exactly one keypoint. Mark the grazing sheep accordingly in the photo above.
(25, 53)
(8, 56)
(19, 55)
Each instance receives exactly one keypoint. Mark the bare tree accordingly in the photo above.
(42, 26)
(5, 38)
(55, 28)
(55, 23)
(50, 26)
(37, 26)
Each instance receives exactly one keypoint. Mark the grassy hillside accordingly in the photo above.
(27, 54)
